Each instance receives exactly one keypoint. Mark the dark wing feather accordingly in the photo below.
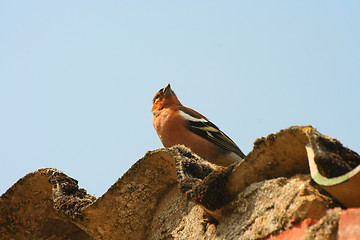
(210, 131)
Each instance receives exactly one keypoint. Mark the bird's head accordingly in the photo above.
(164, 98)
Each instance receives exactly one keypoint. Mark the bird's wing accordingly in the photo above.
(201, 126)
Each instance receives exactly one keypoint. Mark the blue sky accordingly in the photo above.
(77, 78)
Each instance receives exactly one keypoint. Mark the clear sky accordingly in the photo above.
(77, 78)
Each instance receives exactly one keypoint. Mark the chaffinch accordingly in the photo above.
(176, 124)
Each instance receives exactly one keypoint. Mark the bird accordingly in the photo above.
(176, 124)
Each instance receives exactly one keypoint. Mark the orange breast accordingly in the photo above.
(172, 130)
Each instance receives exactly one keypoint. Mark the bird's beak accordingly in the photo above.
(167, 91)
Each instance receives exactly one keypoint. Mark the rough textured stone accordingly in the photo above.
(125, 211)
(177, 218)
(174, 194)
(271, 206)
(27, 211)
(310, 229)
(326, 228)
(261, 209)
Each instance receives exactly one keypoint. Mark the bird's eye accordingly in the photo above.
(156, 97)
